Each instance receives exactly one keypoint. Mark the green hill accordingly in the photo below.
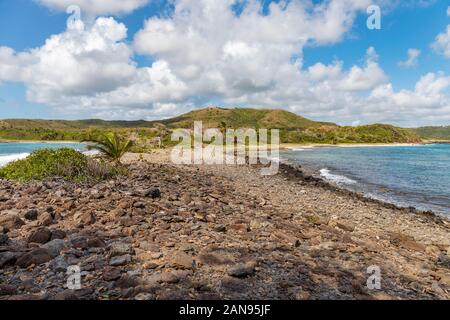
(294, 128)
(244, 118)
(434, 133)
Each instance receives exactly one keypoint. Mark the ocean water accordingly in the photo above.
(14, 151)
(417, 176)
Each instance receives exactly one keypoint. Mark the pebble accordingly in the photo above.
(31, 215)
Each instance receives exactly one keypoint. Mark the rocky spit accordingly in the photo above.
(214, 232)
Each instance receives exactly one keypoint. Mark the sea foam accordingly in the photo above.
(326, 173)
(4, 160)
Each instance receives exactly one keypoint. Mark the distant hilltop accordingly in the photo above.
(294, 128)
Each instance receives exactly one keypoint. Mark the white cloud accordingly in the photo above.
(203, 52)
(413, 57)
(89, 69)
(95, 8)
(448, 11)
(442, 43)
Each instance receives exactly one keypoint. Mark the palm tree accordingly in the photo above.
(111, 145)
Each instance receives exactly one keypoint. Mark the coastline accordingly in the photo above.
(169, 231)
(313, 174)
(294, 146)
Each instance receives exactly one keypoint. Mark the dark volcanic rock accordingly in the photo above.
(3, 239)
(120, 260)
(7, 258)
(41, 235)
(153, 193)
(58, 234)
(31, 215)
(36, 256)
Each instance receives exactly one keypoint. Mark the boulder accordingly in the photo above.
(41, 235)
(54, 246)
(37, 257)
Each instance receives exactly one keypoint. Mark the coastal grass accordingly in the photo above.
(65, 163)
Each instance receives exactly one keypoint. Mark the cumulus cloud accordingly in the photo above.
(413, 58)
(94, 8)
(89, 69)
(442, 43)
(205, 52)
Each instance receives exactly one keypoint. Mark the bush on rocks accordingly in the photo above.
(65, 163)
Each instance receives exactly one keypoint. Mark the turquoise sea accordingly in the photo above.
(417, 176)
(14, 151)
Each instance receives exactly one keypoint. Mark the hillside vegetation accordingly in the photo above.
(294, 128)
(244, 118)
(434, 133)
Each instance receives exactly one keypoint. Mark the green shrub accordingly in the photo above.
(65, 163)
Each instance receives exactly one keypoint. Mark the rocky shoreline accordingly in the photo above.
(214, 232)
(314, 175)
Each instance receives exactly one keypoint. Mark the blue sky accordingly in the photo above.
(26, 25)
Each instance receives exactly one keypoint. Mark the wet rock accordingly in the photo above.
(10, 221)
(242, 270)
(41, 235)
(36, 257)
(31, 215)
(117, 261)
